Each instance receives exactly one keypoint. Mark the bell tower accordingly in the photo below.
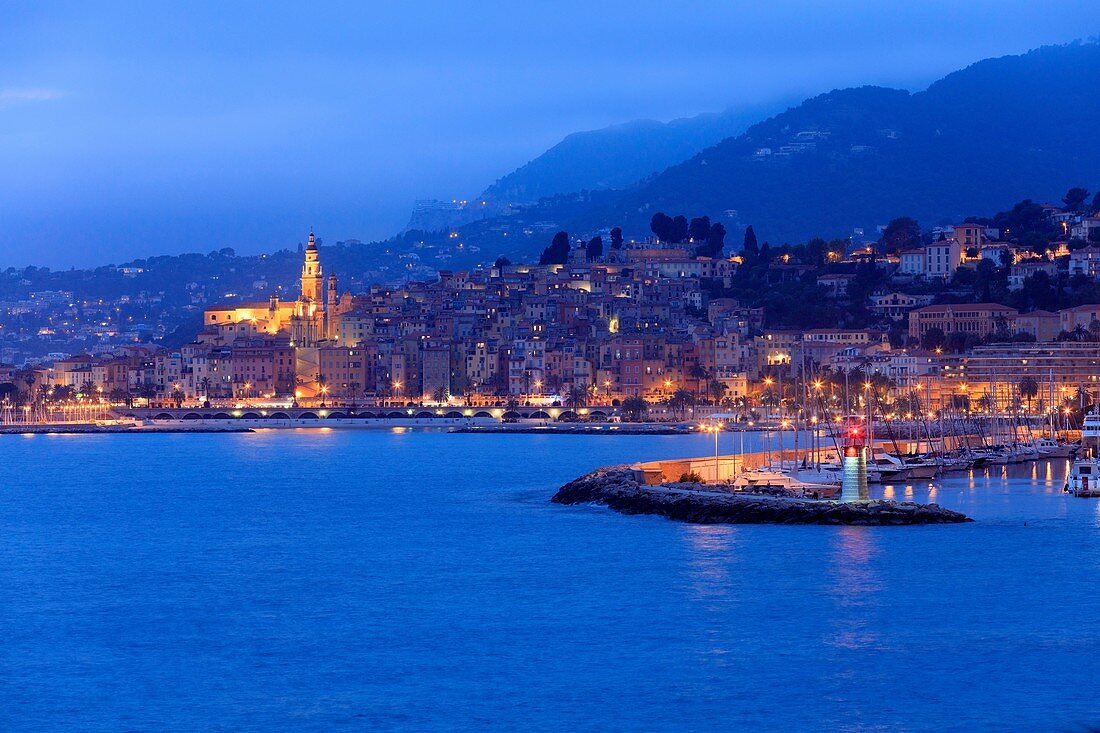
(312, 280)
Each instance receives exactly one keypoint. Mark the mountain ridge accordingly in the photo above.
(998, 130)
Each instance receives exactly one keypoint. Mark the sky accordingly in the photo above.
(136, 128)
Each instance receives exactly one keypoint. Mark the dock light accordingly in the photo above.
(867, 385)
(818, 384)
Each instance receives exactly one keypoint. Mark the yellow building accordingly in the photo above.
(312, 318)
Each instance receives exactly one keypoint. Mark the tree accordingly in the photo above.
(679, 229)
(594, 249)
(901, 233)
(717, 391)
(716, 238)
(87, 388)
(635, 407)
(502, 262)
(558, 251)
(680, 400)
(440, 394)
(661, 226)
(577, 397)
(1075, 199)
(1096, 202)
(1029, 388)
(616, 238)
(750, 249)
(699, 229)
(933, 339)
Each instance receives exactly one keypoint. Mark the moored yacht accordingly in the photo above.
(1083, 474)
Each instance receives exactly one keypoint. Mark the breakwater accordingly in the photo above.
(621, 489)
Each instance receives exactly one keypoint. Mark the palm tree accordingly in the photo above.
(204, 387)
(680, 400)
(717, 391)
(87, 388)
(635, 407)
(1028, 388)
(577, 397)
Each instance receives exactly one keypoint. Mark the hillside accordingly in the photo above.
(998, 131)
(619, 155)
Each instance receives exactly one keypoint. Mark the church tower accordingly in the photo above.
(312, 281)
(332, 317)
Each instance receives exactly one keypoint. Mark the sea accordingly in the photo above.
(418, 580)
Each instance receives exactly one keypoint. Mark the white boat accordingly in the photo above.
(1085, 471)
(763, 478)
(1049, 448)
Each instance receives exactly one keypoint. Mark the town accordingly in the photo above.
(652, 326)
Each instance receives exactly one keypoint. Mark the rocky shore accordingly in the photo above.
(618, 489)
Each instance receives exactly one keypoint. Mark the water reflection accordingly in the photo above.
(855, 587)
(711, 554)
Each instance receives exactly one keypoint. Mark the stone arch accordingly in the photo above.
(308, 416)
(221, 415)
(279, 416)
(483, 413)
(250, 416)
(511, 415)
(453, 413)
(335, 415)
(163, 416)
(192, 416)
(540, 415)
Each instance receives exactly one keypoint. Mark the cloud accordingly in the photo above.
(12, 96)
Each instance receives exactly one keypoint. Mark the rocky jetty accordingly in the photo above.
(619, 489)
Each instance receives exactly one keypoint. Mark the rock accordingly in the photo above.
(618, 489)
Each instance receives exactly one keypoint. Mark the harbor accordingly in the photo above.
(764, 602)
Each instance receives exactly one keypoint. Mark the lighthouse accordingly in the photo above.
(853, 486)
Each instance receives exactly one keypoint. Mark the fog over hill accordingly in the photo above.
(999, 130)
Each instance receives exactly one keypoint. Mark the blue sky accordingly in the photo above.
(138, 128)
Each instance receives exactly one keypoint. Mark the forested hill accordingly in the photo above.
(620, 155)
(997, 131)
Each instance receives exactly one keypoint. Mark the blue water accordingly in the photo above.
(339, 581)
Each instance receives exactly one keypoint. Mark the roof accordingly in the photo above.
(950, 307)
